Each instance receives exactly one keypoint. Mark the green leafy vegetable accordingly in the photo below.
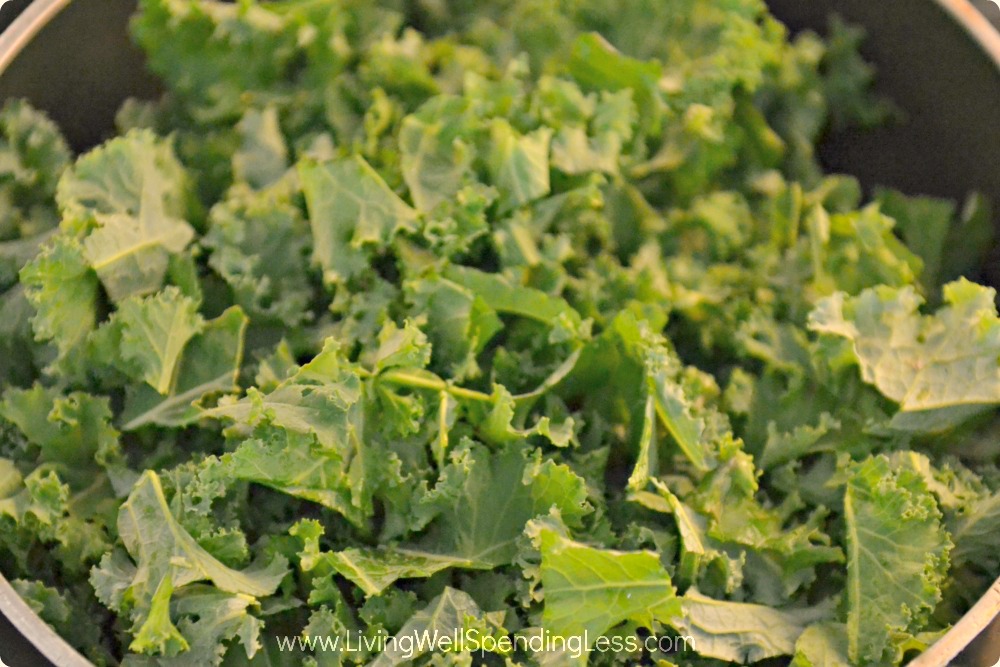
(418, 332)
(115, 177)
(741, 633)
(350, 208)
(897, 555)
(154, 332)
(166, 559)
(917, 360)
(64, 292)
(588, 591)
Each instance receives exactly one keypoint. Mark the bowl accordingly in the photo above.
(938, 60)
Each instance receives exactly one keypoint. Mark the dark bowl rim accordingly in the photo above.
(49, 643)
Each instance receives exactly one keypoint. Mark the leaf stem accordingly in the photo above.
(427, 380)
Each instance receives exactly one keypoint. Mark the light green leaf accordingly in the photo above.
(15, 254)
(321, 398)
(158, 543)
(33, 154)
(215, 55)
(263, 157)
(459, 324)
(945, 361)
(449, 613)
(744, 633)
(556, 485)
(350, 209)
(497, 427)
(573, 153)
(406, 347)
(158, 635)
(674, 409)
(597, 65)
(588, 591)
(976, 533)
(647, 460)
(697, 429)
(923, 222)
(63, 290)
(320, 409)
(130, 253)
(39, 503)
(500, 295)
(154, 333)
(294, 463)
(304, 408)
(434, 158)
(471, 531)
(209, 365)
(374, 570)
(519, 164)
(822, 645)
(259, 244)
(69, 430)
(897, 555)
(485, 518)
(785, 551)
(213, 621)
(802, 440)
(112, 178)
(166, 560)
(699, 549)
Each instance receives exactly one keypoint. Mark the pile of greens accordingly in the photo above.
(521, 317)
